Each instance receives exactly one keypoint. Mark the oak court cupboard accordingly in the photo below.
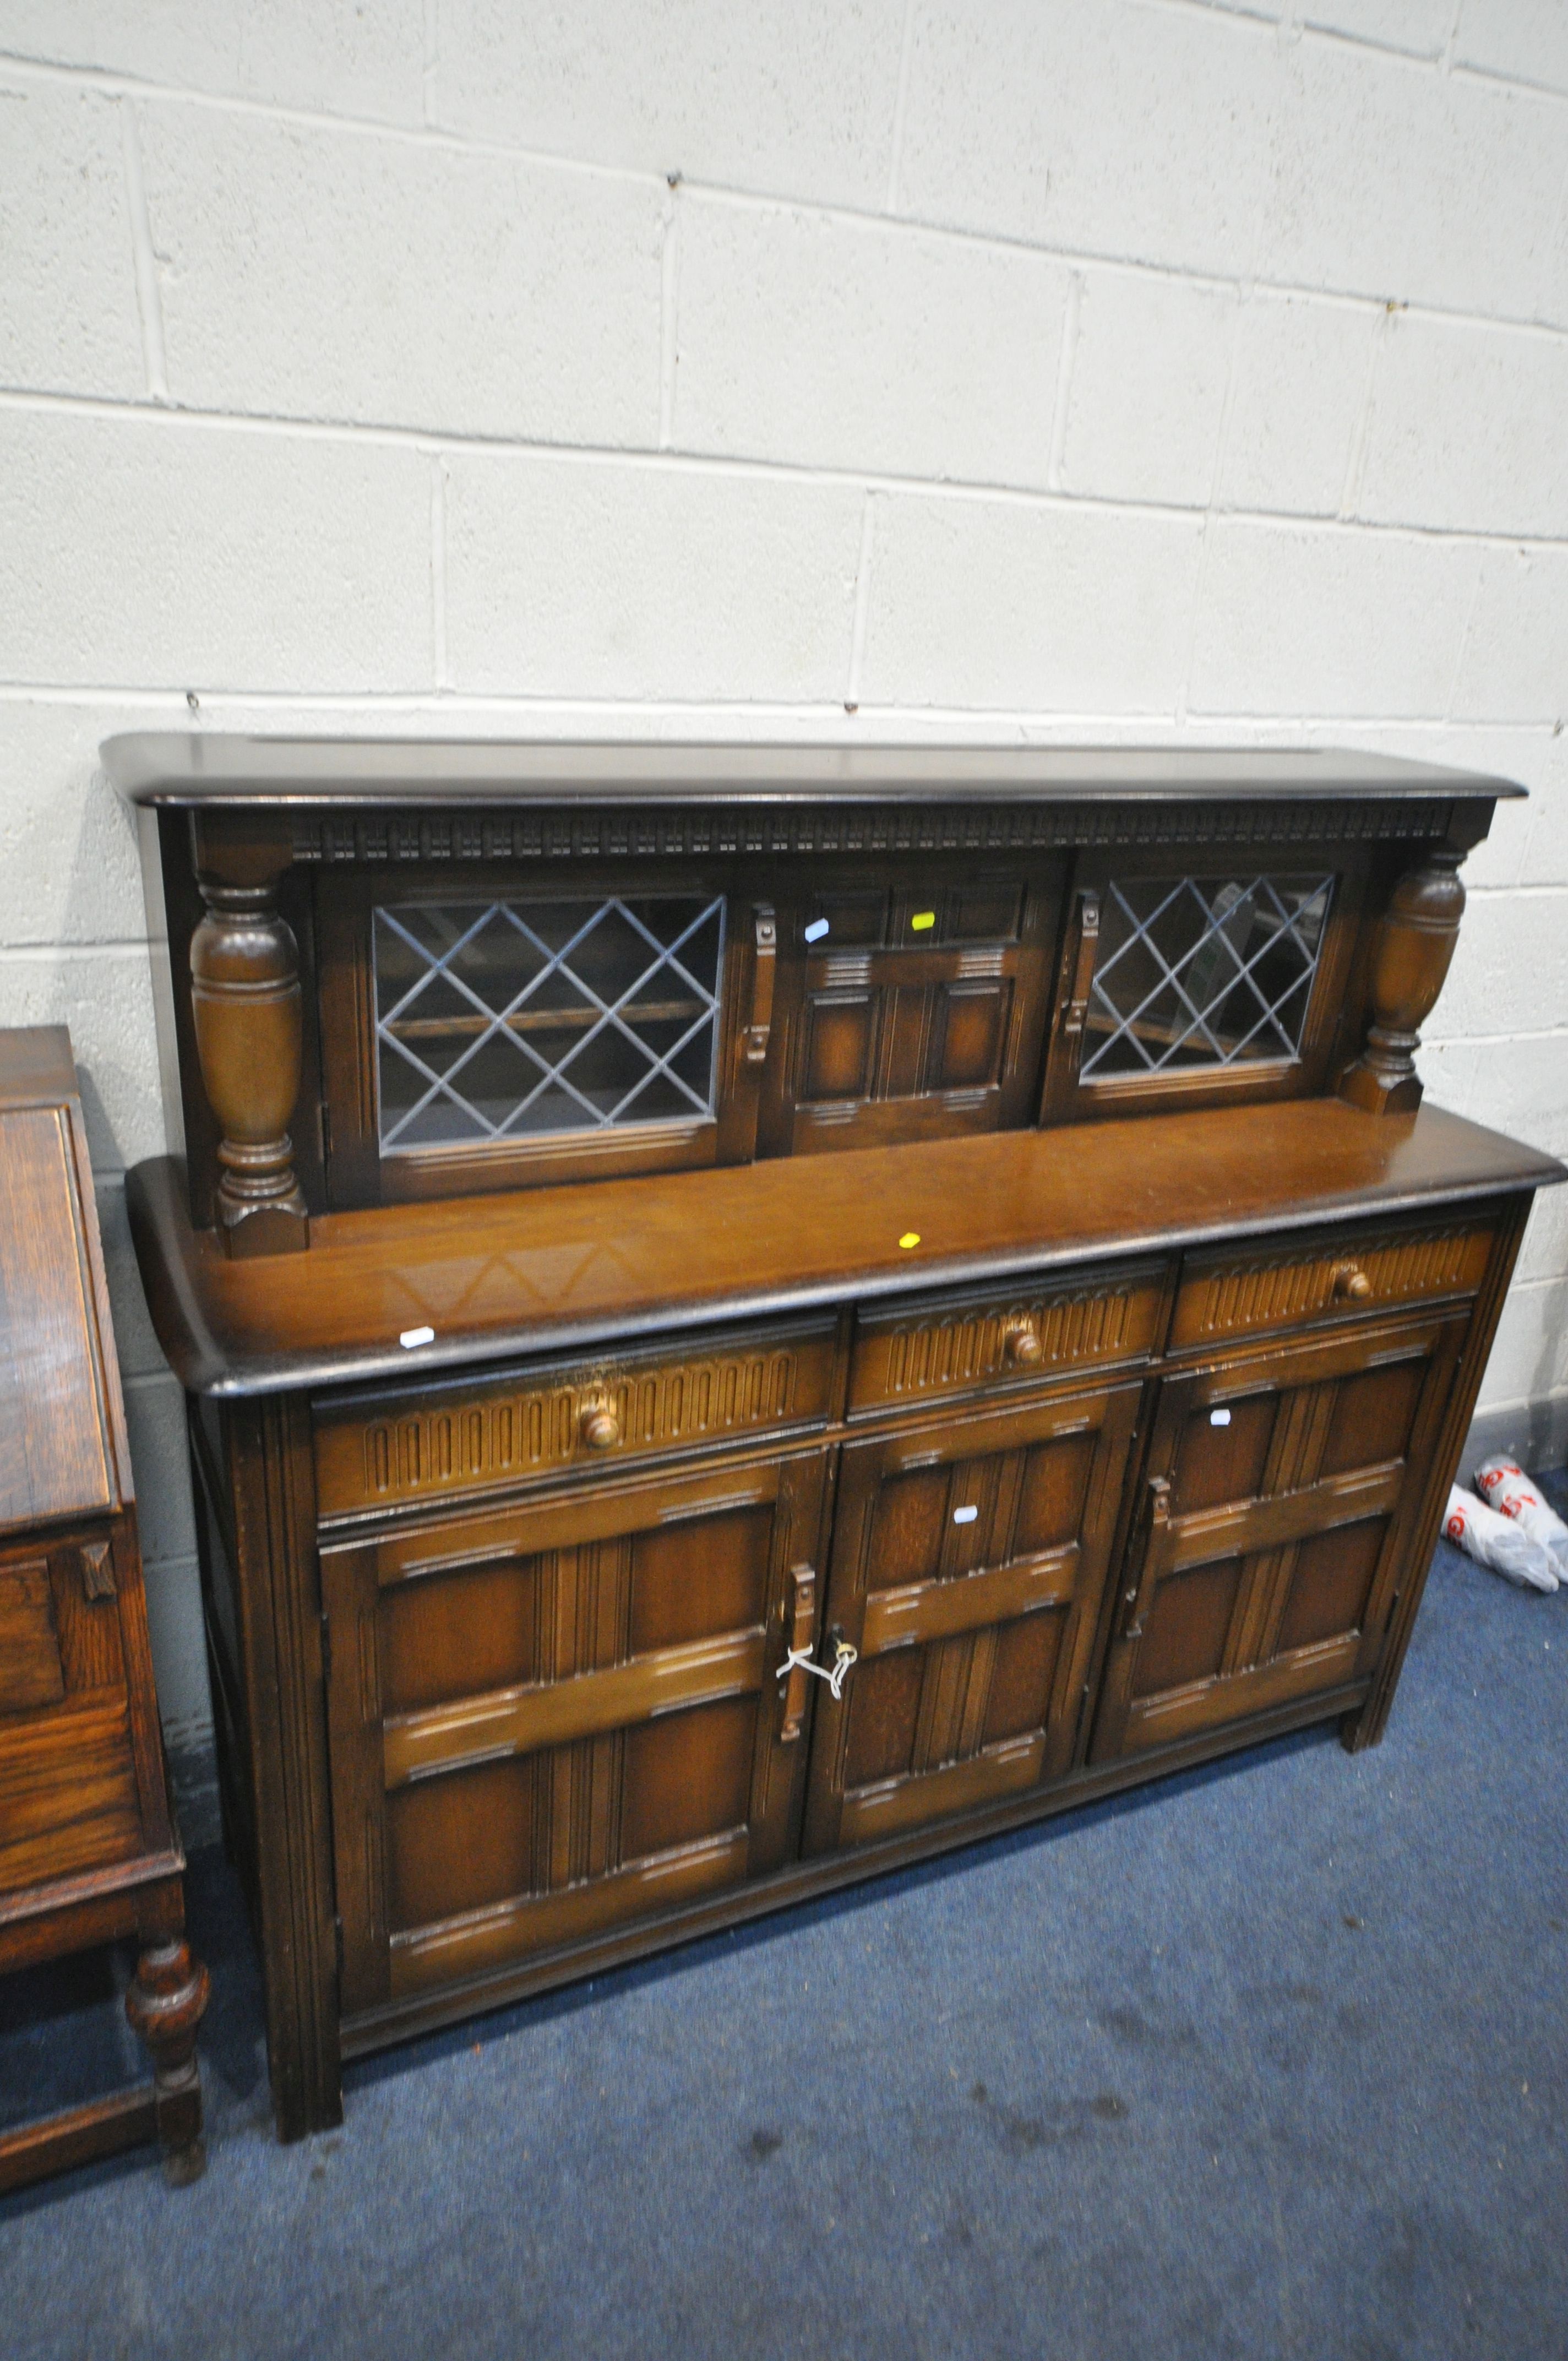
(749, 1313)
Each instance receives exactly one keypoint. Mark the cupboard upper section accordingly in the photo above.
(395, 968)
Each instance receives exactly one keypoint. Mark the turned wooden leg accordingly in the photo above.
(166, 2004)
(1415, 943)
(245, 1001)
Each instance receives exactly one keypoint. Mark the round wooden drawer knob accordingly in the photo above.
(600, 1427)
(1351, 1285)
(1021, 1346)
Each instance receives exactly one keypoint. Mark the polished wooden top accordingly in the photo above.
(542, 1269)
(62, 1437)
(203, 768)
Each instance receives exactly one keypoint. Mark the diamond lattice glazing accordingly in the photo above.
(503, 1020)
(1202, 973)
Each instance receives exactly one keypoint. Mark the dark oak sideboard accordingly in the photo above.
(753, 1313)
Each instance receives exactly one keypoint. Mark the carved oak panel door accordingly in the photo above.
(910, 1003)
(1278, 1514)
(968, 1565)
(549, 1719)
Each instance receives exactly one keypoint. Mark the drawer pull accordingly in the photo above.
(1351, 1283)
(599, 1427)
(1020, 1346)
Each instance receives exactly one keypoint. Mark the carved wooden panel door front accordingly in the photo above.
(968, 1565)
(550, 1718)
(1278, 1510)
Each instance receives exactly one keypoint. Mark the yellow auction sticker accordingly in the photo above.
(910, 1239)
(921, 920)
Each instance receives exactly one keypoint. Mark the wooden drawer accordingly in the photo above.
(449, 1439)
(69, 1794)
(942, 1348)
(1295, 1282)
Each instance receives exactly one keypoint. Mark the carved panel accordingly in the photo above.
(517, 1429)
(1238, 1297)
(736, 827)
(936, 1349)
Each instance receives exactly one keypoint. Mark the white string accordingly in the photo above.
(834, 1679)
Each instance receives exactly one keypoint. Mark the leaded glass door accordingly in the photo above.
(497, 1031)
(1187, 982)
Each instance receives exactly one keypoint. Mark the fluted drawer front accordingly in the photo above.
(381, 1450)
(940, 1347)
(1282, 1285)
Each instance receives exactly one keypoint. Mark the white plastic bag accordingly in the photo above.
(1497, 1541)
(1504, 1486)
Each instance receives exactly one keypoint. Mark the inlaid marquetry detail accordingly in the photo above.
(420, 1448)
(1238, 1297)
(444, 835)
(899, 1357)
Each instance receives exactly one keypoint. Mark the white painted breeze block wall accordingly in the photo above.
(1076, 369)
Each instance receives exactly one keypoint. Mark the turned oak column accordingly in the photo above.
(1409, 960)
(245, 998)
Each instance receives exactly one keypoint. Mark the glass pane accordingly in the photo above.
(1202, 972)
(511, 1020)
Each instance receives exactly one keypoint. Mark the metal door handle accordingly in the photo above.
(756, 1034)
(1156, 1522)
(1083, 970)
(801, 1625)
(797, 1664)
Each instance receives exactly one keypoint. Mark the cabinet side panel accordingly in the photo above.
(280, 1610)
(1365, 1727)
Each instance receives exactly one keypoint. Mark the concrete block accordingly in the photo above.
(1510, 969)
(1553, 303)
(796, 97)
(69, 322)
(846, 345)
(1466, 427)
(1299, 388)
(1447, 1070)
(1148, 389)
(1031, 609)
(155, 1418)
(179, 1652)
(154, 552)
(67, 842)
(360, 60)
(105, 998)
(1327, 619)
(1544, 1253)
(1521, 1087)
(1516, 658)
(1420, 28)
(1093, 127)
(1526, 40)
(1391, 180)
(567, 579)
(1529, 1356)
(330, 274)
(1545, 860)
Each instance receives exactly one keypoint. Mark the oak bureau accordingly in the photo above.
(753, 1313)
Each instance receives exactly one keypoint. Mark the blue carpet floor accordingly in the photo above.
(1268, 2060)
